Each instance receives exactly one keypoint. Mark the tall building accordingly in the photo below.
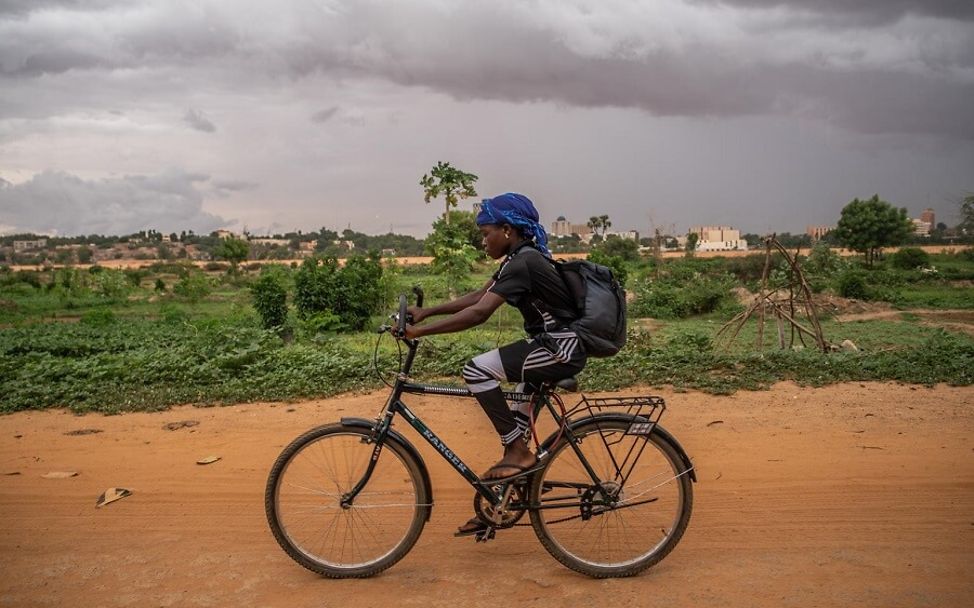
(929, 217)
(562, 227)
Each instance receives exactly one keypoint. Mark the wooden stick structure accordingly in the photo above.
(789, 305)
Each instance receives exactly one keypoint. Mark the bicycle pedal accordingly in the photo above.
(486, 535)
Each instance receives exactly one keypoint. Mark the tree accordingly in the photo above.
(598, 223)
(692, 239)
(233, 250)
(451, 182)
(966, 208)
(869, 225)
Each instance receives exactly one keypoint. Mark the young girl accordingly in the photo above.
(528, 280)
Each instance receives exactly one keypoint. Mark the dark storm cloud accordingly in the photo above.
(874, 12)
(197, 120)
(57, 202)
(912, 78)
(25, 7)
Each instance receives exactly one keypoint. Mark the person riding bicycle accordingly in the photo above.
(528, 280)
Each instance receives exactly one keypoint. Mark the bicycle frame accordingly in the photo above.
(395, 405)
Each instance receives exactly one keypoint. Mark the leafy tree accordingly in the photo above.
(451, 182)
(233, 250)
(692, 239)
(869, 225)
(84, 255)
(451, 247)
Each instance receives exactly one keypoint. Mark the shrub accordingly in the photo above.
(270, 299)
(193, 287)
(852, 284)
(351, 293)
(99, 317)
(910, 258)
(111, 284)
(672, 299)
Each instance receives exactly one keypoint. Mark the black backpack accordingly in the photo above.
(600, 303)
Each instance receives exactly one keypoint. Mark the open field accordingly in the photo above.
(848, 495)
(414, 260)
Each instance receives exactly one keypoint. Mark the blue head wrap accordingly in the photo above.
(518, 211)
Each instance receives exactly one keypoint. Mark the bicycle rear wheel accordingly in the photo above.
(637, 525)
(303, 502)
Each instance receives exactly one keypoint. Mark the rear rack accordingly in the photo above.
(650, 408)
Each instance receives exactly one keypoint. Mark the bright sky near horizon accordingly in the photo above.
(122, 115)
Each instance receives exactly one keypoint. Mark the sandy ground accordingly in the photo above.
(850, 495)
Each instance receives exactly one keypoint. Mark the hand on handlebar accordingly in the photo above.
(416, 314)
(411, 332)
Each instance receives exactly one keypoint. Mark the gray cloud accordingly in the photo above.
(57, 202)
(324, 115)
(197, 120)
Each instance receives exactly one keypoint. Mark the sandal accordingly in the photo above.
(521, 470)
(477, 527)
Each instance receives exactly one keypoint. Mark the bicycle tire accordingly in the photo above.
(659, 473)
(303, 494)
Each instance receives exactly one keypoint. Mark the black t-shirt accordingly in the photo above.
(529, 281)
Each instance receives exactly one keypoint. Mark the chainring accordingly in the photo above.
(505, 519)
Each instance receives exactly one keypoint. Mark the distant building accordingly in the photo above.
(818, 232)
(929, 217)
(630, 235)
(562, 227)
(224, 234)
(27, 245)
(718, 238)
(921, 228)
(271, 242)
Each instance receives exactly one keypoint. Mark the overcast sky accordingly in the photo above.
(117, 116)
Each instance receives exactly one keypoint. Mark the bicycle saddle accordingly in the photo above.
(568, 384)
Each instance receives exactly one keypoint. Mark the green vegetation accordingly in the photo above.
(111, 340)
(868, 226)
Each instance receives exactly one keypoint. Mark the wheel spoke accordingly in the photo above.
(305, 492)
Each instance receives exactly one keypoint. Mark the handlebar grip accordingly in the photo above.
(401, 321)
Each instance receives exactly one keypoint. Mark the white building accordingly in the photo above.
(921, 228)
(718, 238)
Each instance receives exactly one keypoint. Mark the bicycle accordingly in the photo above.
(611, 494)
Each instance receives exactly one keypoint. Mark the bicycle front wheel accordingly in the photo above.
(304, 510)
(633, 521)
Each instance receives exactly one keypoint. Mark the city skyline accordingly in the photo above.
(118, 116)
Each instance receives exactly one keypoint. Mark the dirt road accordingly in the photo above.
(850, 495)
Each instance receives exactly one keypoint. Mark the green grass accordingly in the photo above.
(147, 352)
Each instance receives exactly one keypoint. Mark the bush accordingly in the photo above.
(670, 299)
(910, 258)
(99, 317)
(270, 299)
(852, 284)
(351, 293)
(111, 284)
(193, 287)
